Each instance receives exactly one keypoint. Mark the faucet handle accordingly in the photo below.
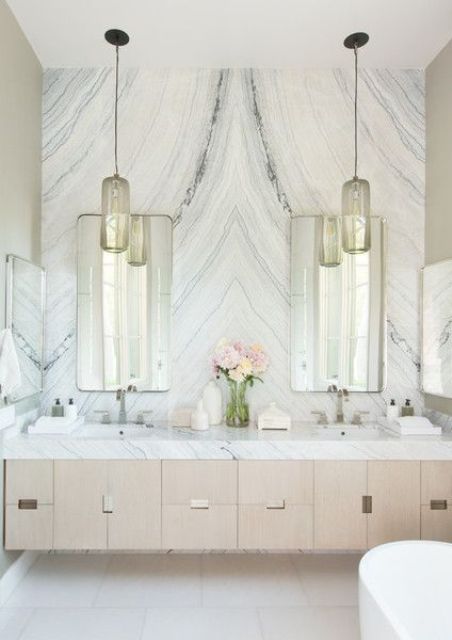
(357, 417)
(140, 419)
(322, 417)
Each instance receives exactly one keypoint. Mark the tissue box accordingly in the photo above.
(273, 418)
(180, 417)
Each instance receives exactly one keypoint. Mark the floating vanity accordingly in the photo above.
(138, 488)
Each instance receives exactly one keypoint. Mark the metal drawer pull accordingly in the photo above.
(276, 504)
(107, 504)
(199, 504)
(367, 504)
(438, 505)
(27, 504)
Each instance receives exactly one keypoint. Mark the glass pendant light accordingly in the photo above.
(114, 235)
(356, 192)
(136, 253)
(330, 254)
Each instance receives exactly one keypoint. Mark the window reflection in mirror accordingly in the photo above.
(124, 311)
(338, 319)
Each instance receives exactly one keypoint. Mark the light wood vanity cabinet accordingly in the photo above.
(276, 504)
(102, 504)
(29, 504)
(395, 487)
(359, 504)
(79, 520)
(199, 504)
(224, 504)
(436, 500)
(135, 487)
(338, 504)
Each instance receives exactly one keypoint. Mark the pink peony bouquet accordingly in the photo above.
(239, 362)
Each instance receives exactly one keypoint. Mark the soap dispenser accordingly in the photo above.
(57, 409)
(407, 409)
(71, 410)
(392, 410)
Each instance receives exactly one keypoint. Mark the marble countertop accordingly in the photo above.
(304, 442)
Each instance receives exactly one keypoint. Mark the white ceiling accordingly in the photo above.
(235, 33)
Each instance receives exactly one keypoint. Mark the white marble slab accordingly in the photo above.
(232, 155)
(221, 443)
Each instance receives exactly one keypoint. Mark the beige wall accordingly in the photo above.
(438, 218)
(20, 162)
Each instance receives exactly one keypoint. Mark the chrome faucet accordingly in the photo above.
(341, 394)
(121, 397)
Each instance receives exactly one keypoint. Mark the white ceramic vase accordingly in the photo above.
(213, 402)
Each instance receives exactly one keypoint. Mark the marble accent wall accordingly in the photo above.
(231, 155)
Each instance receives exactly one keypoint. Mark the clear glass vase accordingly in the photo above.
(237, 409)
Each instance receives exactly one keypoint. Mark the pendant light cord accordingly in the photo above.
(116, 110)
(356, 109)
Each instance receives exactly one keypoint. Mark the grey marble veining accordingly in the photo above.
(231, 155)
(25, 319)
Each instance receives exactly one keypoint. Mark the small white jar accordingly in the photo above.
(199, 418)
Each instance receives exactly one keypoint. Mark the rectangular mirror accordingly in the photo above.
(124, 311)
(338, 314)
(25, 315)
(437, 329)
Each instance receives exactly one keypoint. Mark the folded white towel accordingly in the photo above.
(414, 422)
(10, 376)
(54, 425)
(413, 426)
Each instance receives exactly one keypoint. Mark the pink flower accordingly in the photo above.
(238, 361)
(259, 360)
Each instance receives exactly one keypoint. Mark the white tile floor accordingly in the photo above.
(170, 597)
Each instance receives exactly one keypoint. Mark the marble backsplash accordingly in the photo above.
(231, 155)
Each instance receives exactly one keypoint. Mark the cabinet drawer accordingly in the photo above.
(288, 528)
(187, 528)
(212, 480)
(262, 482)
(436, 524)
(29, 528)
(29, 480)
(436, 481)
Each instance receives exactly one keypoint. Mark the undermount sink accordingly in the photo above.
(350, 432)
(129, 430)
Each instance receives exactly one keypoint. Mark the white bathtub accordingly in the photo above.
(405, 592)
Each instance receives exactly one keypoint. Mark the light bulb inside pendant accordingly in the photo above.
(115, 189)
(356, 216)
(330, 253)
(356, 219)
(136, 253)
